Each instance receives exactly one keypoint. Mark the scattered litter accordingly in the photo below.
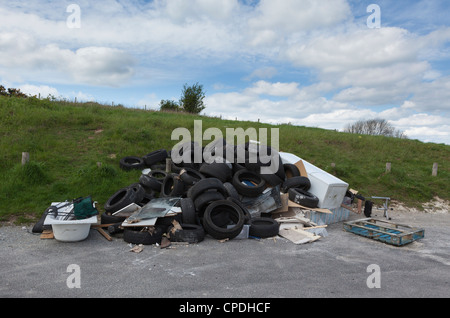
(137, 248)
(298, 236)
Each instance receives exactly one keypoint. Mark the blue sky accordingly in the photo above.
(311, 63)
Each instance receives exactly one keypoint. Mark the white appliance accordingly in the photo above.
(329, 189)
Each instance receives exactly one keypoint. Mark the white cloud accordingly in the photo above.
(355, 49)
(39, 90)
(433, 96)
(273, 89)
(273, 20)
(87, 65)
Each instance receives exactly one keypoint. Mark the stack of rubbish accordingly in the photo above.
(178, 199)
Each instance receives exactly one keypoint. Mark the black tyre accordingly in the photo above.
(272, 179)
(158, 174)
(190, 176)
(247, 215)
(140, 192)
(106, 218)
(144, 236)
(231, 190)
(165, 222)
(248, 183)
(205, 185)
(39, 226)
(172, 186)
(120, 199)
(131, 163)
(150, 183)
(291, 170)
(263, 227)
(190, 233)
(281, 173)
(155, 157)
(206, 198)
(148, 196)
(296, 182)
(188, 212)
(303, 198)
(115, 228)
(219, 210)
(217, 170)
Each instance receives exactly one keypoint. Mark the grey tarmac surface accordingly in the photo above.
(333, 267)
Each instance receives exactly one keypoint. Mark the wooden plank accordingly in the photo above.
(295, 205)
(47, 234)
(106, 235)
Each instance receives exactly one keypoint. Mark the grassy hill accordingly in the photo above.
(67, 140)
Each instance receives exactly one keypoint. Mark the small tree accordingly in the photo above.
(192, 99)
(374, 127)
(169, 105)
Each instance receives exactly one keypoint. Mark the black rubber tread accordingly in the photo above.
(149, 182)
(191, 163)
(190, 233)
(237, 167)
(206, 198)
(155, 157)
(217, 170)
(303, 198)
(296, 182)
(146, 199)
(136, 235)
(159, 166)
(291, 170)
(190, 176)
(131, 163)
(39, 226)
(115, 228)
(139, 190)
(231, 190)
(263, 227)
(368, 208)
(158, 174)
(247, 214)
(176, 168)
(106, 218)
(188, 212)
(247, 190)
(272, 179)
(230, 209)
(281, 173)
(205, 185)
(165, 222)
(120, 199)
(172, 186)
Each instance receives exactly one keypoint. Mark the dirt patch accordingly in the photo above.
(435, 206)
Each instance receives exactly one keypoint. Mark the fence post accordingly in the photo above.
(435, 169)
(25, 158)
(388, 167)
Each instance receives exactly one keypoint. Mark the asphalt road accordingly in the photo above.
(334, 266)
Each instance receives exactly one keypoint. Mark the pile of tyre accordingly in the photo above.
(211, 195)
